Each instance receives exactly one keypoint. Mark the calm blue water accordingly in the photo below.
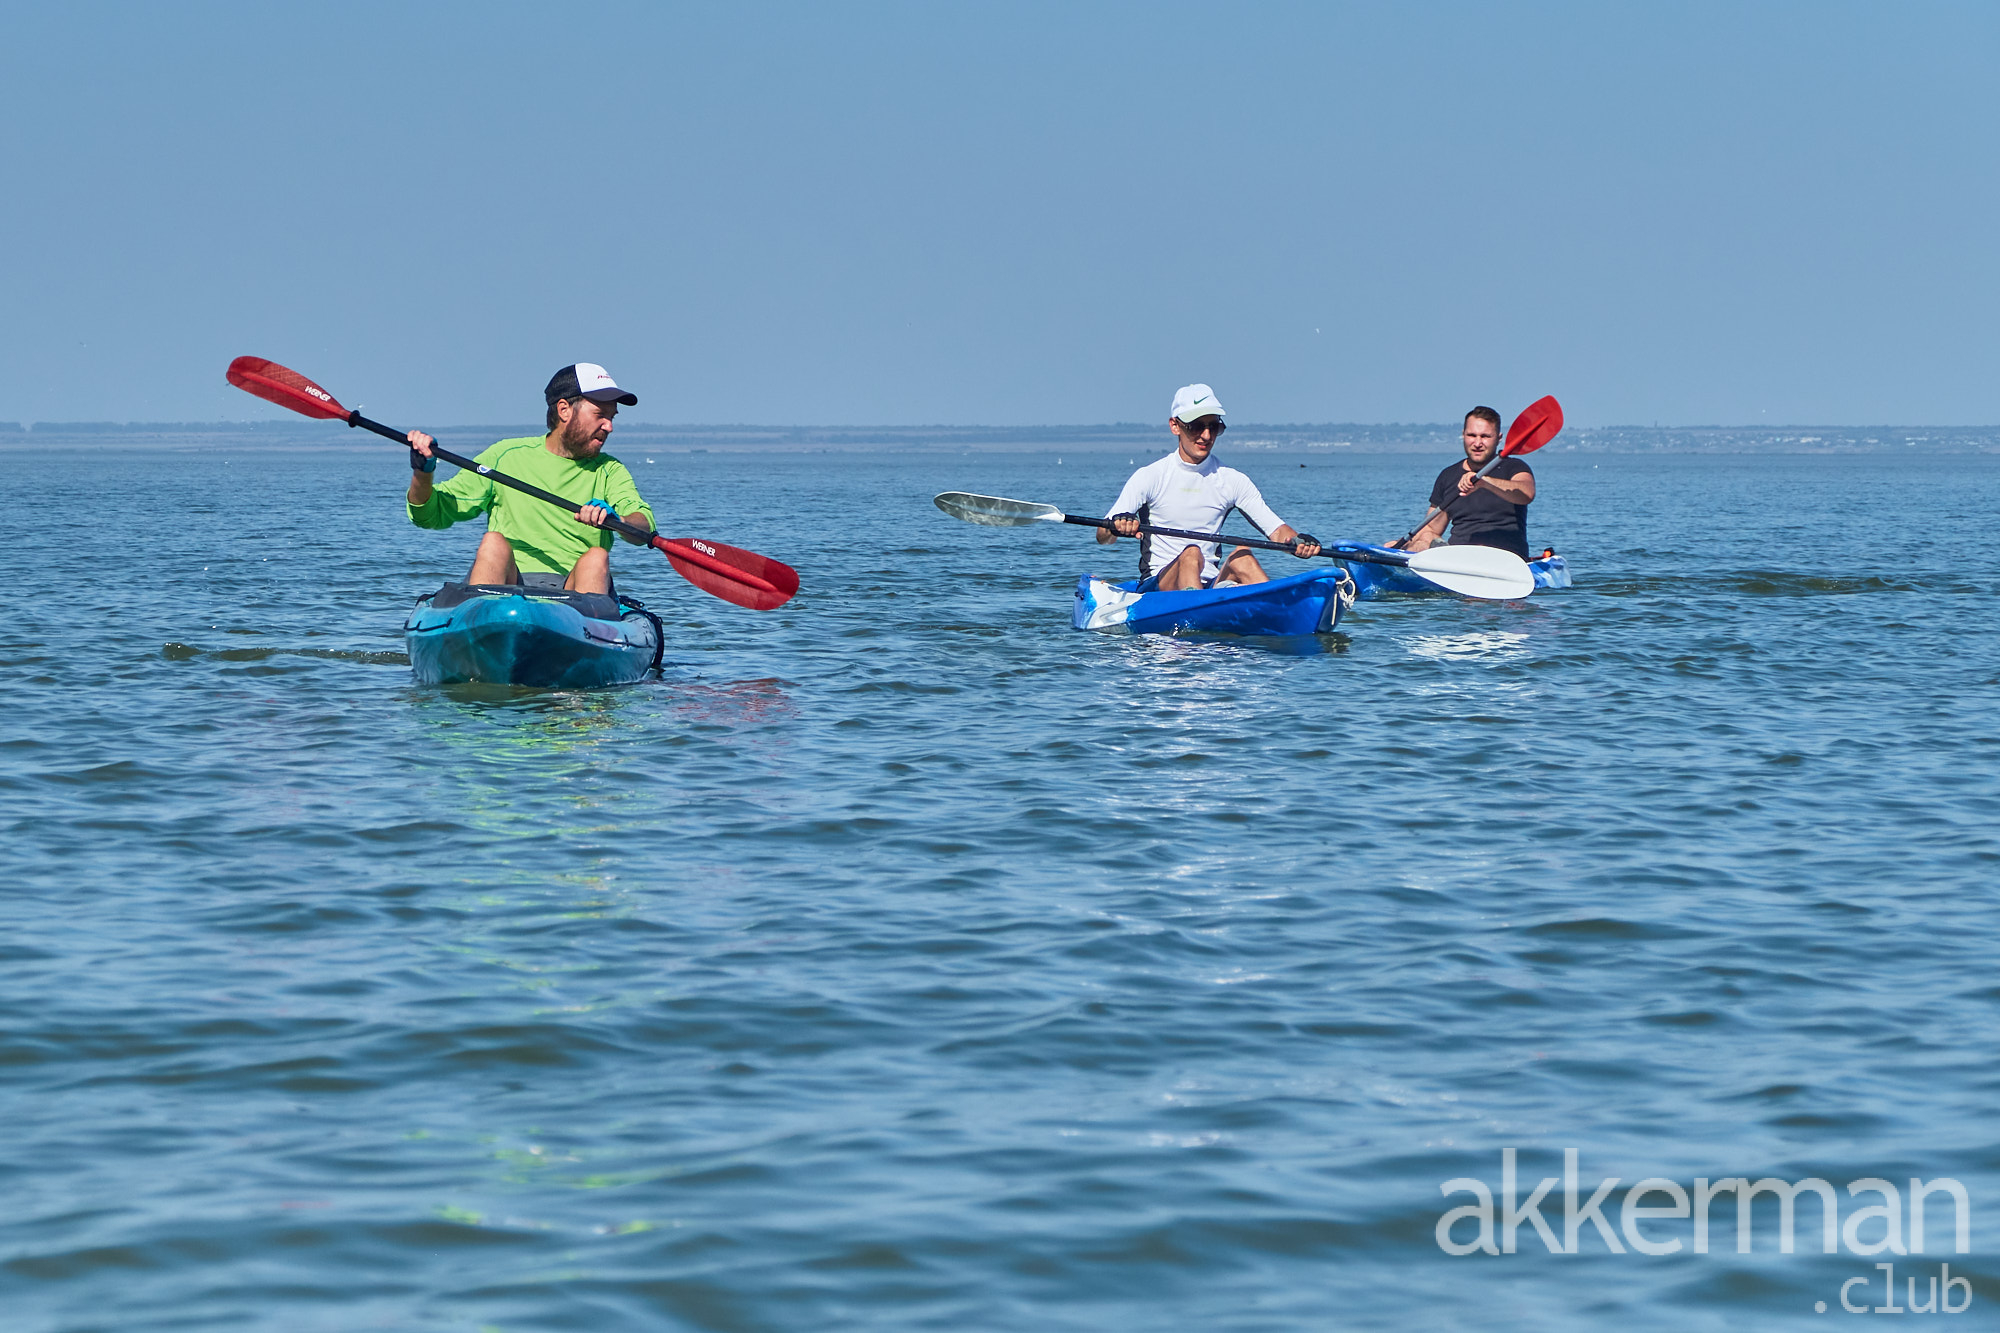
(907, 960)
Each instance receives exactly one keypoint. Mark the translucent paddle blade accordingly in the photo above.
(994, 512)
(285, 387)
(1475, 571)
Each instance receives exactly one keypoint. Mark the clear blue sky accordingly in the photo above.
(1007, 213)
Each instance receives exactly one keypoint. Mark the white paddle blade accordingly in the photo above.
(994, 512)
(1475, 571)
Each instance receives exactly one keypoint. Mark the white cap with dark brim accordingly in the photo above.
(585, 380)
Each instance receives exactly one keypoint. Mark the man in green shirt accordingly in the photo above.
(526, 535)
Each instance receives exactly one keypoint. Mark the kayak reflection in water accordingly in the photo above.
(1489, 511)
(524, 534)
(1189, 489)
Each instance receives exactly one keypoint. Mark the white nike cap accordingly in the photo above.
(1196, 401)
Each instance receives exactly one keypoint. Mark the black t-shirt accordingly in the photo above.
(1483, 518)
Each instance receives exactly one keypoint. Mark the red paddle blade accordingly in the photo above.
(287, 388)
(734, 575)
(1539, 422)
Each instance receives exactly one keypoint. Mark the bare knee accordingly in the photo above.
(1243, 567)
(1184, 571)
(592, 572)
(495, 561)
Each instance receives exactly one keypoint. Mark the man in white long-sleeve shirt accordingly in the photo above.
(1188, 489)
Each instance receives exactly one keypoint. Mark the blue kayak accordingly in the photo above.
(1308, 603)
(1371, 581)
(505, 634)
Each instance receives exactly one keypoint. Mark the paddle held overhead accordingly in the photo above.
(739, 576)
(1471, 571)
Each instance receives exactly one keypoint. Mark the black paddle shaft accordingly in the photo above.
(1491, 463)
(403, 438)
(1335, 552)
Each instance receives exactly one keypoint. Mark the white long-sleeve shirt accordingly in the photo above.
(1178, 494)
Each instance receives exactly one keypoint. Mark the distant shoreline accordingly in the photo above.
(1395, 437)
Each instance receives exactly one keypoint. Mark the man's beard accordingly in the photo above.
(575, 436)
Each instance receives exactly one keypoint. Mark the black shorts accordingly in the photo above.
(1499, 541)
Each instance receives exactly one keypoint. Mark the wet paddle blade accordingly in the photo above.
(285, 387)
(734, 575)
(1539, 422)
(994, 512)
(1475, 571)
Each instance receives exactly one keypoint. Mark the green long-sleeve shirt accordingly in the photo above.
(546, 539)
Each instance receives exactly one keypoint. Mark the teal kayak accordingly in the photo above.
(506, 634)
(1309, 603)
(1372, 580)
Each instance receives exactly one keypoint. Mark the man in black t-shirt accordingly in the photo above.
(1489, 511)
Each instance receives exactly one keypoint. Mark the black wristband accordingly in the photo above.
(419, 463)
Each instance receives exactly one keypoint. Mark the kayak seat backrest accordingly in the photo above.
(592, 605)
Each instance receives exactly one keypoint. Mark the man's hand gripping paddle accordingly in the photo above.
(734, 575)
(1474, 571)
(1539, 422)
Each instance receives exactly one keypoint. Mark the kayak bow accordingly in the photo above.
(506, 634)
(1308, 603)
(1381, 580)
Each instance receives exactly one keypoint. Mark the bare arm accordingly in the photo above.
(1428, 533)
(638, 519)
(420, 482)
(597, 516)
(1514, 490)
(1305, 550)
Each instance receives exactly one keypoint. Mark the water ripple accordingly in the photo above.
(902, 958)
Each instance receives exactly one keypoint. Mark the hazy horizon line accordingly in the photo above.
(1119, 427)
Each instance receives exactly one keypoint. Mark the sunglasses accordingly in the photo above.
(1205, 426)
